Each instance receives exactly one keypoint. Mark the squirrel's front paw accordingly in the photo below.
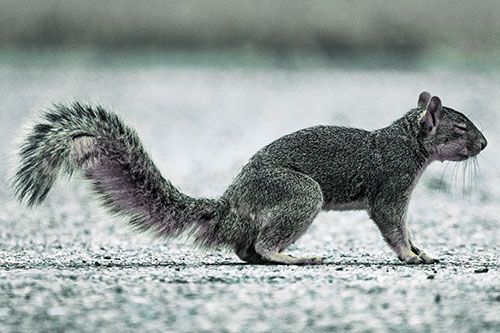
(427, 259)
(412, 259)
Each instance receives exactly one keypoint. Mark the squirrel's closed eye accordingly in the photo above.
(460, 128)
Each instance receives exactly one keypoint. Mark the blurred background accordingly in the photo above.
(236, 67)
(404, 29)
(206, 84)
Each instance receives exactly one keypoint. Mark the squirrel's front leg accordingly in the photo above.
(390, 218)
(396, 237)
(421, 254)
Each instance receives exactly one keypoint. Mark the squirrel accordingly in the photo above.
(276, 195)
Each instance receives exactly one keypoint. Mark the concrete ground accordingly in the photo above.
(67, 266)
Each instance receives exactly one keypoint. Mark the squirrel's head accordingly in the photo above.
(447, 134)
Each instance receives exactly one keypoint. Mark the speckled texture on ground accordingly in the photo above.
(68, 267)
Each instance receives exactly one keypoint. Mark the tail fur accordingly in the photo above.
(111, 156)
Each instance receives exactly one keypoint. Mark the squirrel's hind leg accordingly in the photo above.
(286, 220)
(281, 204)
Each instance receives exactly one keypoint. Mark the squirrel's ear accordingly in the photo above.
(430, 118)
(423, 99)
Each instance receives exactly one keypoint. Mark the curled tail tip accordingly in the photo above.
(30, 186)
(27, 192)
(41, 152)
(60, 139)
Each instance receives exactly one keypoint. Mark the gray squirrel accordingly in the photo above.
(276, 195)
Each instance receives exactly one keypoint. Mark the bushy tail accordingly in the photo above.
(111, 156)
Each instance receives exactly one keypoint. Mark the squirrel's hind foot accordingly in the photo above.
(252, 257)
(286, 259)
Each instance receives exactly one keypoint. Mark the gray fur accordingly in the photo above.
(276, 195)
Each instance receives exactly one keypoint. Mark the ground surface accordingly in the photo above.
(67, 266)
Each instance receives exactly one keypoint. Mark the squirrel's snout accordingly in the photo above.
(483, 142)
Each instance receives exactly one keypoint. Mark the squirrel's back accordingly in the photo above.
(339, 163)
(333, 141)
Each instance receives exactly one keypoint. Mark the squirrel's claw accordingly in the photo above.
(427, 259)
(412, 259)
(312, 260)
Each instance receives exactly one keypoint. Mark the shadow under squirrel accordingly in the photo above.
(275, 196)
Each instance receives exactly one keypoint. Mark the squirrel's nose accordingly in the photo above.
(483, 143)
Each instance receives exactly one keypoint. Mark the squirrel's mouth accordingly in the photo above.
(460, 157)
(471, 152)
(453, 155)
(474, 149)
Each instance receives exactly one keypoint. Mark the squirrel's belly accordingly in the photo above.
(353, 205)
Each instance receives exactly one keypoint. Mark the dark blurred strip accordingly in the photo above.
(331, 27)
